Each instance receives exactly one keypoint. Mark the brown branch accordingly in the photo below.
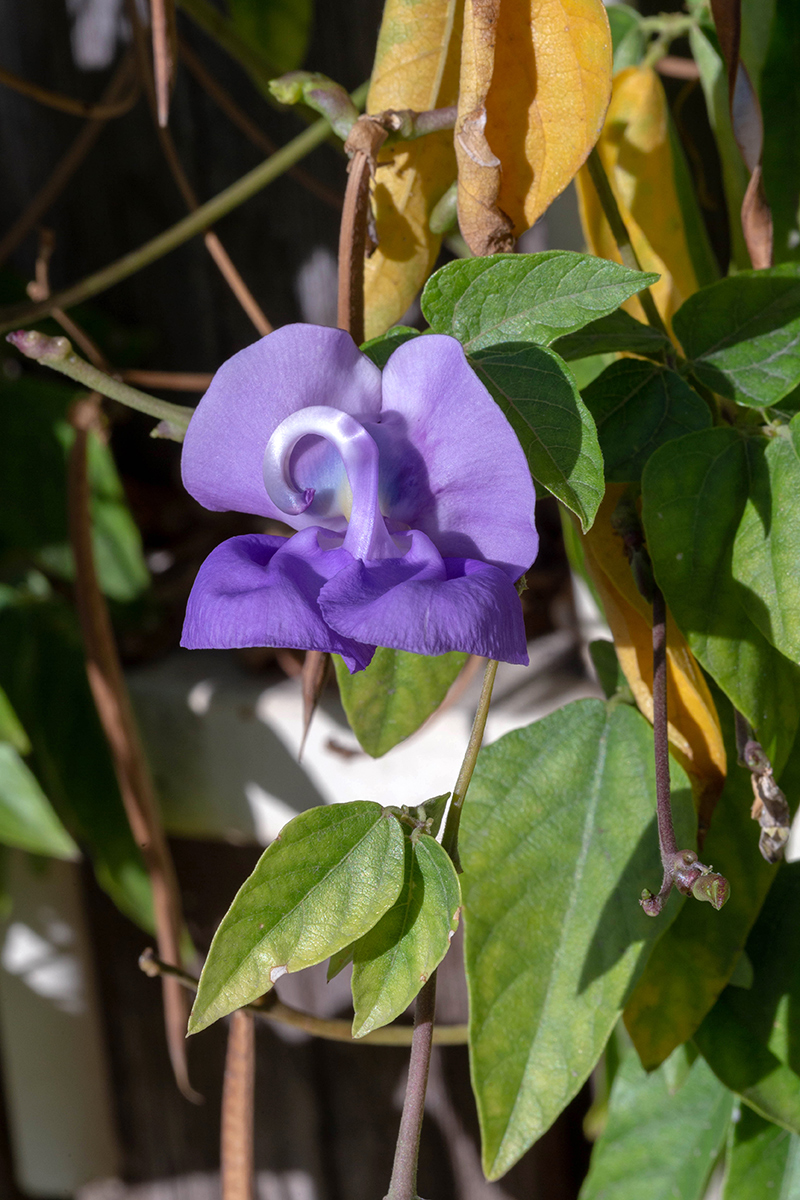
(315, 673)
(677, 68)
(51, 190)
(116, 717)
(172, 381)
(39, 289)
(162, 27)
(104, 111)
(214, 246)
(250, 129)
(236, 1129)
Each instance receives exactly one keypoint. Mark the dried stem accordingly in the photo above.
(214, 246)
(352, 247)
(65, 169)
(332, 1029)
(104, 111)
(116, 717)
(39, 289)
(249, 128)
(173, 381)
(315, 674)
(236, 1129)
(197, 222)
(162, 25)
(403, 1184)
(608, 203)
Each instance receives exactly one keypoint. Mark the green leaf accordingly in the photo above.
(395, 694)
(618, 332)
(33, 519)
(637, 406)
(279, 29)
(627, 36)
(27, 819)
(379, 349)
(694, 491)
(656, 1144)
(401, 952)
(11, 728)
(525, 297)
(328, 877)
(43, 671)
(780, 102)
(743, 335)
(606, 664)
(704, 260)
(558, 839)
(751, 1036)
(698, 954)
(714, 81)
(766, 551)
(537, 392)
(763, 1160)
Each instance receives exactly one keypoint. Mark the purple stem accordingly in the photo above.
(403, 1184)
(666, 830)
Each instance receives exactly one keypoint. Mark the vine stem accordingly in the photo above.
(58, 354)
(197, 222)
(450, 836)
(666, 830)
(403, 1184)
(619, 231)
(332, 1029)
(236, 1131)
(681, 868)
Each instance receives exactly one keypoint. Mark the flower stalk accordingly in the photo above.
(57, 353)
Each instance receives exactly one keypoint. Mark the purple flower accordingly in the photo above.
(409, 491)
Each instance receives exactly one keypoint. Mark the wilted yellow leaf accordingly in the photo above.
(535, 85)
(635, 150)
(694, 729)
(416, 66)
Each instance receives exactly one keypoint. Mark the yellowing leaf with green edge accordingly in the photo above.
(535, 85)
(637, 153)
(416, 66)
(694, 729)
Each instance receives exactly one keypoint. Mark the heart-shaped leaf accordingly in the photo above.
(537, 392)
(637, 406)
(331, 873)
(396, 693)
(557, 841)
(401, 952)
(525, 297)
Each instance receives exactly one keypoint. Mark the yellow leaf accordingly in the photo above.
(416, 66)
(535, 85)
(635, 150)
(694, 729)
